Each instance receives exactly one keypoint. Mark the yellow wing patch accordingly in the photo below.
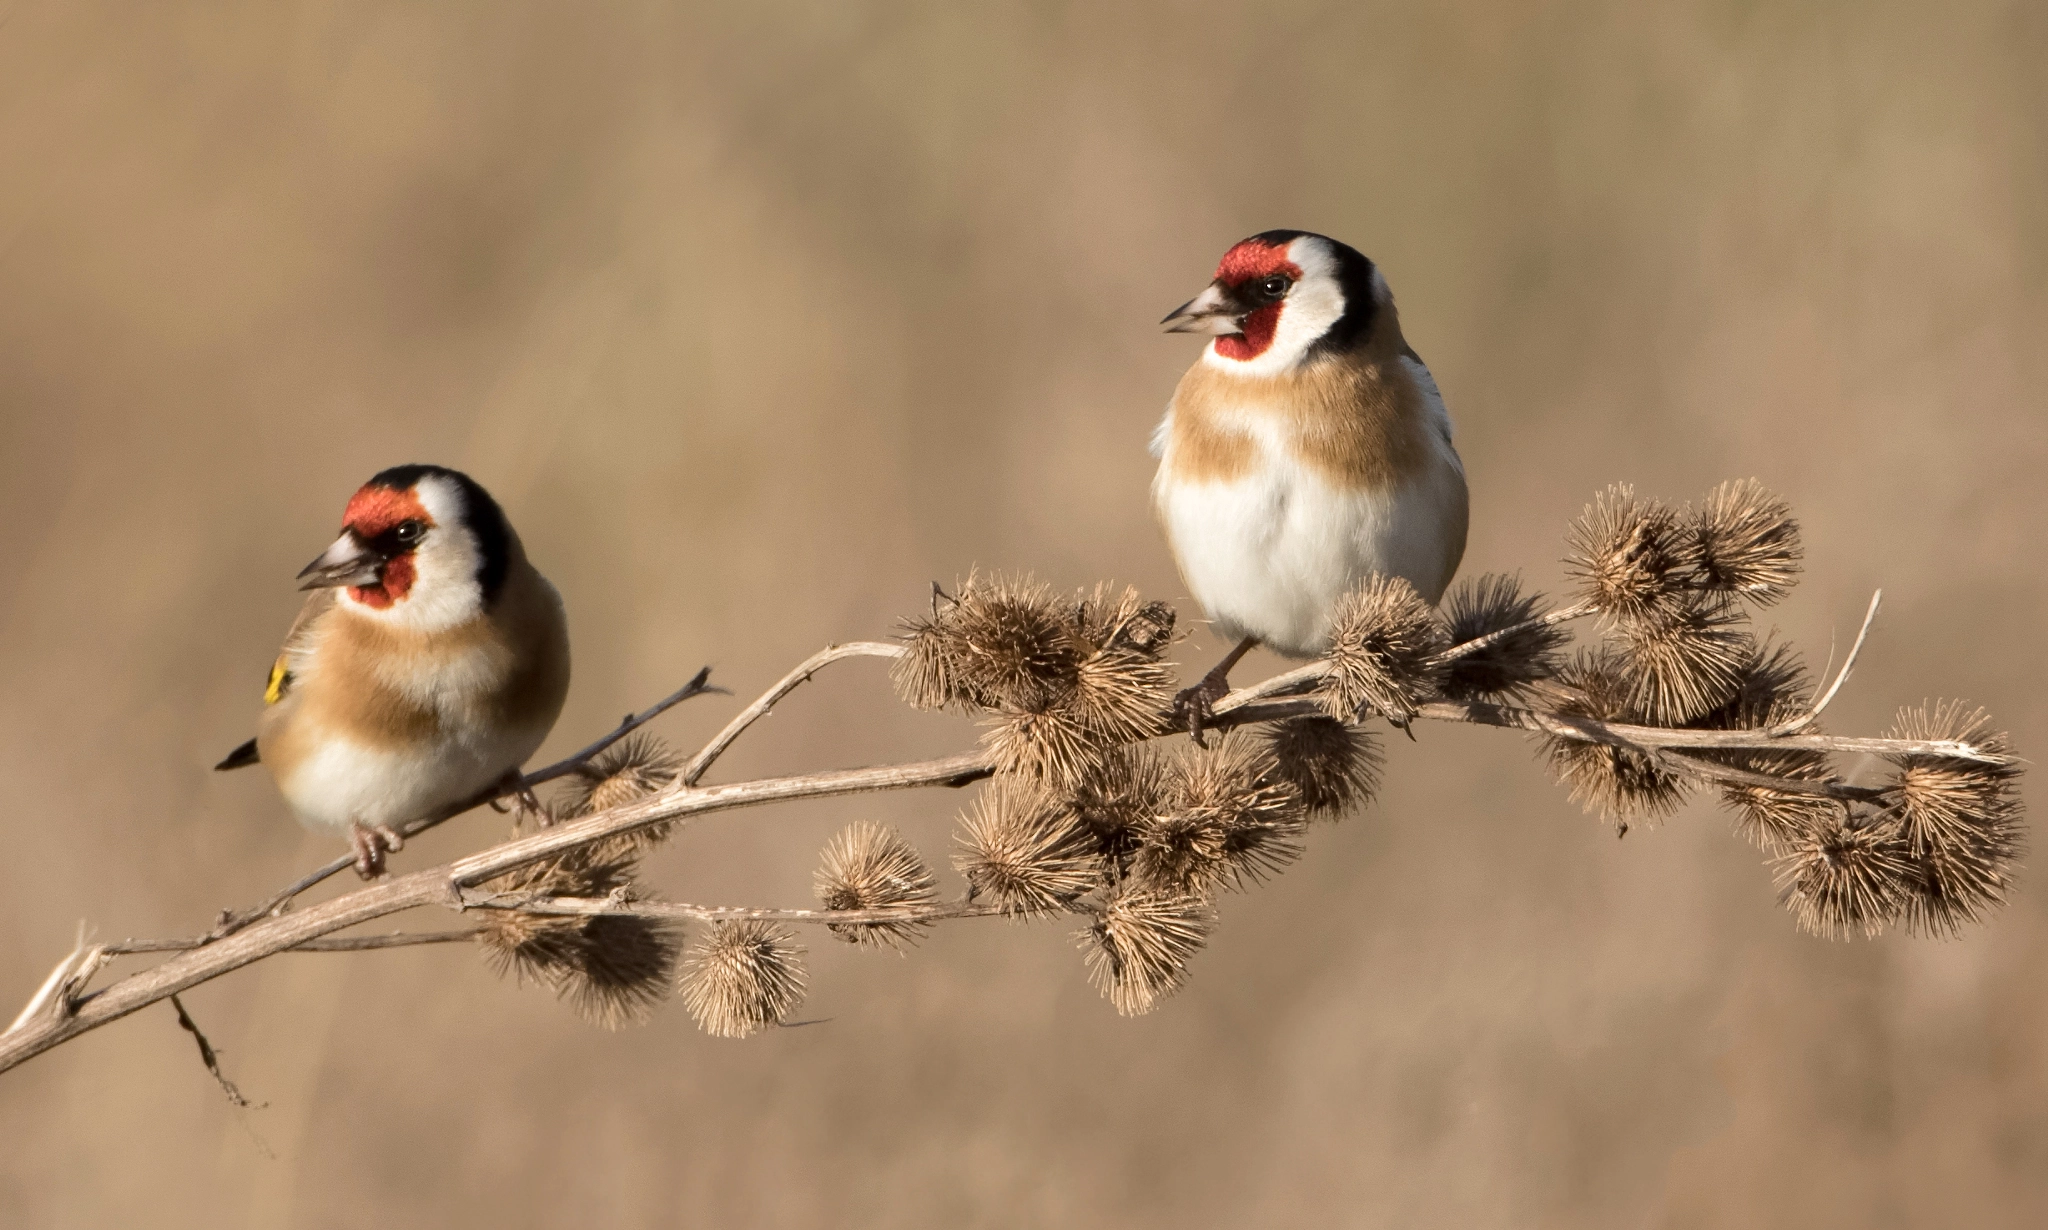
(280, 681)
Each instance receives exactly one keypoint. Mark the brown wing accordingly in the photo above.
(297, 641)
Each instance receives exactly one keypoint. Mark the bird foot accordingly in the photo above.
(371, 841)
(524, 801)
(1196, 705)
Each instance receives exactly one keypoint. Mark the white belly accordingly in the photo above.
(343, 782)
(1269, 554)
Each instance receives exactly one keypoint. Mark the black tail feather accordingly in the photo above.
(241, 758)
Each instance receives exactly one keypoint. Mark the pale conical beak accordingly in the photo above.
(1216, 311)
(349, 561)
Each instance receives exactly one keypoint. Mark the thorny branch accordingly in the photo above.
(1729, 713)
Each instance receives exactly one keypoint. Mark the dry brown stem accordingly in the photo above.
(65, 1007)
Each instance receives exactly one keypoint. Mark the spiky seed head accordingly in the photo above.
(1776, 820)
(627, 967)
(1049, 744)
(1683, 661)
(1333, 767)
(1620, 784)
(1383, 642)
(1961, 819)
(1025, 850)
(743, 977)
(1773, 688)
(1001, 640)
(927, 676)
(1139, 946)
(631, 769)
(1119, 694)
(637, 767)
(1016, 643)
(1123, 622)
(867, 866)
(1508, 668)
(1839, 880)
(1228, 821)
(1626, 553)
(1743, 540)
(613, 969)
(1115, 800)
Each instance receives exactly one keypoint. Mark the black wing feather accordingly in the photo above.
(241, 758)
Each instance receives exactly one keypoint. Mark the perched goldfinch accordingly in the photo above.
(1306, 449)
(429, 662)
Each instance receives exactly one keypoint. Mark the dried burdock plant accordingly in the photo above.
(613, 969)
(1116, 800)
(1332, 766)
(1123, 621)
(927, 674)
(1025, 850)
(635, 768)
(743, 977)
(1139, 945)
(1622, 783)
(1960, 819)
(1508, 667)
(1627, 554)
(1227, 821)
(1009, 643)
(1772, 688)
(1742, 540)
(1062, 682)
(1383, 644)
(1682, 661)
(1088, 814)
(868, 866)
(1840, 881)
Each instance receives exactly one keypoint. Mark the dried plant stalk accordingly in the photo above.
(1084, 817)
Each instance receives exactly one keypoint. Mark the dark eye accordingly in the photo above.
(409, 533)
(1274, 287)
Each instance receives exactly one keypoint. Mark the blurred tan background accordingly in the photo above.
(758, 318)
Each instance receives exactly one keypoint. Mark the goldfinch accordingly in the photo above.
(430, 660)
(1306, 449)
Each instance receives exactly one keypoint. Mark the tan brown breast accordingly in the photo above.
(393, 689)
(1357, 418)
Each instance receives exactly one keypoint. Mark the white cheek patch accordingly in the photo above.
(445, 592)
(1315, 304)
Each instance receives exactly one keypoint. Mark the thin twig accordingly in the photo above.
(1623, 734)
(593, 906)
(208, 1056)
(1301, 678)
(442, 885)
(789, 683)
(699, 685)
(1465, 649)
(1801, 723)
(346, 943)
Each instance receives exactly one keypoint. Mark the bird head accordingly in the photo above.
(1282, 297)
(420, 545)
